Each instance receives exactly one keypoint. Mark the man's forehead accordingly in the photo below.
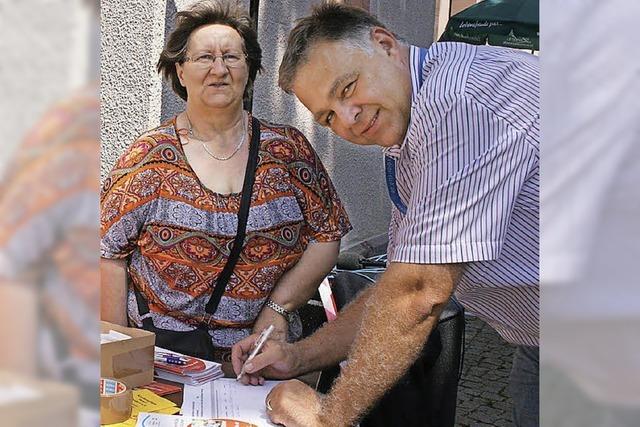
(334, 52)
(325, 66)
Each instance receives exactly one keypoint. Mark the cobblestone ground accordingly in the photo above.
(483, 398)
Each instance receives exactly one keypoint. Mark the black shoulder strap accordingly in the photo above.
(243, 214)
(247, 191)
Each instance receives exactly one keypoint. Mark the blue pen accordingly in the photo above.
(172, 359)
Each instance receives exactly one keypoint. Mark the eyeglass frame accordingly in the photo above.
(240, 56)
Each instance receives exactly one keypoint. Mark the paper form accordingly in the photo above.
(160, 420)
(228, 398)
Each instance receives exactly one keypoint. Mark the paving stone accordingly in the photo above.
(484, 418)
(503, 423)
(505, 405)
(462, 421)
(483, 399)
(492, 397)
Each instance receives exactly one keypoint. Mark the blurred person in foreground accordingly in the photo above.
(49, 283)
(459, 126)
(590, 209)
(169, 207)
(49, 273)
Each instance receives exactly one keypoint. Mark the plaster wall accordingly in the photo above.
(132, 38)
(134, 100)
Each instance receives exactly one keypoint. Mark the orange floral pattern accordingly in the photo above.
(176, 234)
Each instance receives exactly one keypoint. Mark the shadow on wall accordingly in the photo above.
(356, 172)
(172, 104)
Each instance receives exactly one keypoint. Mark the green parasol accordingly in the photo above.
(509, 23)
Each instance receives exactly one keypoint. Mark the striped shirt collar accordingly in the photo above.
(417, 56)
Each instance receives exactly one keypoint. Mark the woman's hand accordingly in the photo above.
(269, 317)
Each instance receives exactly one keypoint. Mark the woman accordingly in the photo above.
(170, 207)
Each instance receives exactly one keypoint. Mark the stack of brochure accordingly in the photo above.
(183, 369)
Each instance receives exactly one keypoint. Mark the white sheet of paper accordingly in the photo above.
(228, 398)
(113, 336)
(150, 419)
(13, 393)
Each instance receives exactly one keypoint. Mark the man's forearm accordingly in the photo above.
(397, 319)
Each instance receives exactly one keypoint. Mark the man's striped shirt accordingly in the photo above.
(467, 173)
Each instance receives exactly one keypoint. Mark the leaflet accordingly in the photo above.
(160, 420)
(228, 398)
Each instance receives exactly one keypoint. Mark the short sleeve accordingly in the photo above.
(324, 214)
(469, 173)
(128, 196)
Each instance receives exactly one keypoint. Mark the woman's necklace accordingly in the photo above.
(222, 159)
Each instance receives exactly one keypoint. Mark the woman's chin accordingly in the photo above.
(219, 103)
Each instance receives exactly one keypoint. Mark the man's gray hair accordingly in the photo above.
(328, 22)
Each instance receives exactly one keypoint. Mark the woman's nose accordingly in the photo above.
(219, 67)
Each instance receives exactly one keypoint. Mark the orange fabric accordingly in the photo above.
(177, 234)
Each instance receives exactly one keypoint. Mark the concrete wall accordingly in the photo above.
(133, 99)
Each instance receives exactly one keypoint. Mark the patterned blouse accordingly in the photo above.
(48, 235)
(177, 234)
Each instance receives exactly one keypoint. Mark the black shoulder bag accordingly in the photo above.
(198, 342)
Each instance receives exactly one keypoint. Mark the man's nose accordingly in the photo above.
(348, 114)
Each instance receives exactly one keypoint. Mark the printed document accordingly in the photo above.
(228, 398)
(160, 420)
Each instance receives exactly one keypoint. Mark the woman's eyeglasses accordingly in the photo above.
(206, 60)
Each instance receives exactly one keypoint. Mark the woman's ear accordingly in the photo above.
(180, 73)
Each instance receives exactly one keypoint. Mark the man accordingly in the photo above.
(459, 128)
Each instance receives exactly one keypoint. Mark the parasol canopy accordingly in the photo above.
(509, 23)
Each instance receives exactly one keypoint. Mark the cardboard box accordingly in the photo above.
(33, 402)
(131, 360)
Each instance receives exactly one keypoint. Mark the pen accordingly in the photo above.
(170, 359)
(264, 335)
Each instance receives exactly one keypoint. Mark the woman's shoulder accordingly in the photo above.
(279, 130)
(166, 128)
(284, 142)
(153, 145)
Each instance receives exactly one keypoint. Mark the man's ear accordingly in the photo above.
(180, 72)
(385, 39)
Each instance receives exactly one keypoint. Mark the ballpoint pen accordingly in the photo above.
(171, 359)
(264, 336)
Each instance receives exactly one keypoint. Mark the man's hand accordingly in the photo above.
(278, 360)
(294, 404)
